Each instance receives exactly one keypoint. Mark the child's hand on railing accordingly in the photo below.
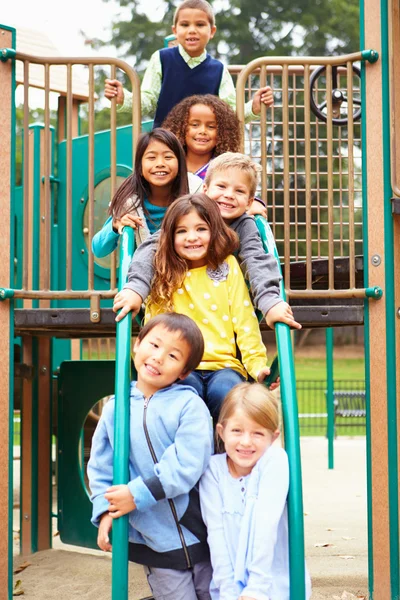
(127, 301)
(113, 89)
(263, 374)
(262, 96)
(103, 540)
(257, 208)
(120, 499)
(127, 220)
(283, 313)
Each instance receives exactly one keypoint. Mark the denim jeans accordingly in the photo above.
(213, 386)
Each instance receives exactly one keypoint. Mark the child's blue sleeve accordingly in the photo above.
(106, 240)
(100, 465)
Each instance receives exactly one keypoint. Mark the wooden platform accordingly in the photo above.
(76, 323)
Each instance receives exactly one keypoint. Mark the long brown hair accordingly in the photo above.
(170, 269)
(136, 186)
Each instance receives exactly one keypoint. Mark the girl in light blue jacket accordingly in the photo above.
(243, 501)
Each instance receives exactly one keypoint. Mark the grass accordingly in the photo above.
(315, 368)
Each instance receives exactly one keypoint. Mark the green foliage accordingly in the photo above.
(247, 30)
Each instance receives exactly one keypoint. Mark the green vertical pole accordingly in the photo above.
(292, 446)
(390, 328)
(329, 395)
(121, 432)
(292, 437)
(366, 306)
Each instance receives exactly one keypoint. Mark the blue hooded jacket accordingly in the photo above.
(171, 442)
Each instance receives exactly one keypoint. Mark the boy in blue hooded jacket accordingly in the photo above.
(170, 447)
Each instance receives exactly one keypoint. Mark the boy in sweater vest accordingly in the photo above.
(186, 69)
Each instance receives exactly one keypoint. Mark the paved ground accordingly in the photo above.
(335, 525)
(335, 514)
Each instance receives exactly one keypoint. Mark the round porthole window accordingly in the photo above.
(102, 195)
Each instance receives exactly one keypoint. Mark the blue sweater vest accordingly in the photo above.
(180, 81)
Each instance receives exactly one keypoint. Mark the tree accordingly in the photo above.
(248, 29)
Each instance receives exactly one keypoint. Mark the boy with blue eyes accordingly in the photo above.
(186, 69)
(171, 442)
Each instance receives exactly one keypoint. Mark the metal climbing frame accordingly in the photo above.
(311, 166)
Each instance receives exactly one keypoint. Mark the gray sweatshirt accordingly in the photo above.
(259, 268)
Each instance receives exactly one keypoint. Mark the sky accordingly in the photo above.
(63, 21)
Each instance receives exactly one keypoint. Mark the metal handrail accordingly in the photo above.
(292, 436)
(121, 426)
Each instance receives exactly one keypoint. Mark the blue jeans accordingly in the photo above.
(213, 386)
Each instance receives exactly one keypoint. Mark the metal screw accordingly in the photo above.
(82, 251)
(2, 293)
(95, 315)
(82, 200)
(398, 313)
(43, 369)
(43, 219)
(376, 260)
(4, 52)
(26, 517)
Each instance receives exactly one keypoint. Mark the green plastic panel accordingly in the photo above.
(81, 385)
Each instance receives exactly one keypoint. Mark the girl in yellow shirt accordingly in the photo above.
(197, 275)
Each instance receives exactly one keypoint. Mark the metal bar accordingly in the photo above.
(307, 151)
(329, 131)
(355, 293)
(350, 145)
(68, 235)
(62, 294)
(45, 257)
(286, 175)
(27, 240)
(272, 109)
(113, 163)
(294, 158)
(121, 433)
(330, 408)
(263, 145)
(91, 178)
(292, 443)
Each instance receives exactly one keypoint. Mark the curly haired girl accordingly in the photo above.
(206, 127)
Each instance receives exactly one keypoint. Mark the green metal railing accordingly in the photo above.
(292, 436)
(290, 418)
(121, 431)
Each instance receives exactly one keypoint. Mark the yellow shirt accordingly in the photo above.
(219, 302)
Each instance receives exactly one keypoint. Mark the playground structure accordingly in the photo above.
(312, 180)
